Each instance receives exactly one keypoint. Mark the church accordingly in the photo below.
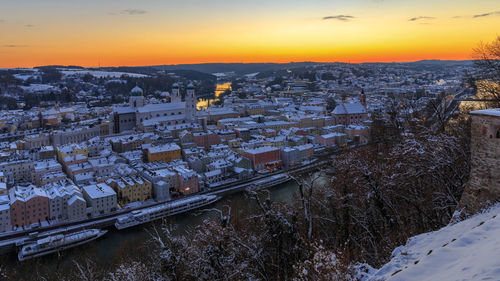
(139, 115)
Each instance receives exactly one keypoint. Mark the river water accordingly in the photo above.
(204, 103)
(114, 245)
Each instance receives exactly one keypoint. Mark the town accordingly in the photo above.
(104, 151)
(91, 148)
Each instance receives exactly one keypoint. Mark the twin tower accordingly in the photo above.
(137, 100)
(190, 100)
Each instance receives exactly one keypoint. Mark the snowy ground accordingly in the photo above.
(37, 88)
(468, 250)
(100, 74)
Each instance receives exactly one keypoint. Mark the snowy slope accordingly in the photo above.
(468, 250)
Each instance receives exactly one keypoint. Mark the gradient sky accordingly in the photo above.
(153, 32)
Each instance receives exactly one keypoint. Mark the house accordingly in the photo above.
(101, 198)
(262, 156)
(28, 205)
(166, 152)
(350, 113)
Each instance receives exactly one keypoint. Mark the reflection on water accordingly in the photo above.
(204, 103)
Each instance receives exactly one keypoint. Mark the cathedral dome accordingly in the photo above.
(136, 91)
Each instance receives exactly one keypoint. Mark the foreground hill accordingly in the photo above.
(467, 250)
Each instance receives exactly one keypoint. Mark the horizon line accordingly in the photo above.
(263, 62)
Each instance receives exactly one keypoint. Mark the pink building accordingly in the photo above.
(206, 139)
(187, 180)
(350, 113)
(262, 156)
(28, 205)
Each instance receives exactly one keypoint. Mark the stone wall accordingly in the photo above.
(484, 184)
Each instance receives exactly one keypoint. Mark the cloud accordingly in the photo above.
(486, 14)
(339, 17)
(2, 20)
(29, 25)
(14, 46)
(421, 18)
(133, 12)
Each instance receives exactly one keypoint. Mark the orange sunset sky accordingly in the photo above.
(154, 32)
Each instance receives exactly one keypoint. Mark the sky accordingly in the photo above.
(156, 32)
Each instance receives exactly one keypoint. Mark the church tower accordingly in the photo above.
(190, 103)
(362, 97)
(136, 97)
(176, 94)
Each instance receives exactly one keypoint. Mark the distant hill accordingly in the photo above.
(148, 70)
(204, 71)
(238, 68)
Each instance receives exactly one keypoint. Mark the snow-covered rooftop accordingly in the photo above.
(349, 108)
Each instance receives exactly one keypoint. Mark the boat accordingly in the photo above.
(166, 209)
(58, 242)
(268, 182)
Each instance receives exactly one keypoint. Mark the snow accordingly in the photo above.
(164, 147)
(467, 250)
(99, 190)
(24, 77)
(37, 87)
(491, 112)
(263, 149)
(101, 74)
(349, 108)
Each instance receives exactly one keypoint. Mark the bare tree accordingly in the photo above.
(487, 61)
(306, 185)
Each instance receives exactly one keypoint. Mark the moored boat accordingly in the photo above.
(268, 182)
(58, 242)
(166, 209)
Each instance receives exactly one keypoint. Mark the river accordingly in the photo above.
(204, 103)
(109, 249)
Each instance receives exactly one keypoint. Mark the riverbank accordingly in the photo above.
(115, 245)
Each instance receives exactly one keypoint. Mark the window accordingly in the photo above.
(498, 134)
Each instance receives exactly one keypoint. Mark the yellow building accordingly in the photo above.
(166, 153)
(132, 189)
(70, 150)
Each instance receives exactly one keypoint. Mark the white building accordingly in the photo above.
(101, 198)
(60, 194)
(44, 167)
(140, 115)
(77, 207)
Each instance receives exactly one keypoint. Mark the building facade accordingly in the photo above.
(262, 156)
(101, 198)
(484, 180)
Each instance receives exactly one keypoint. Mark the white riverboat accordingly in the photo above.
(268, 182)
(166, 209)
(58, 242)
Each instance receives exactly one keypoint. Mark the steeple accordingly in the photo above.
(190, 103)
(176, 95)
(136, 97)
(362, 97)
